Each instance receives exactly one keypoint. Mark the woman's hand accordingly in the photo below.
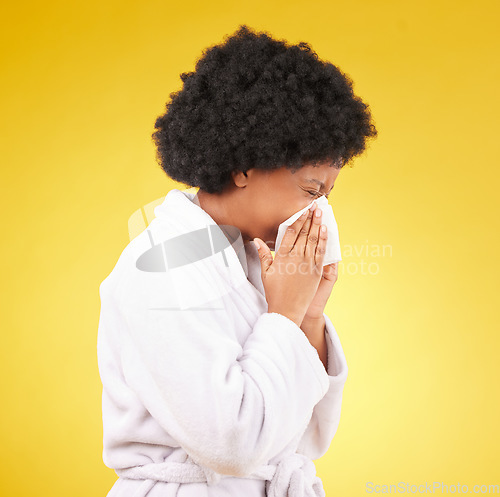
(292, 278)
(318, 303)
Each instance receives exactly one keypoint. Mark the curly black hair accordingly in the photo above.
(258, 102)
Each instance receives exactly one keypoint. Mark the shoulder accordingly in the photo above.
(165, 269)
(126, 274)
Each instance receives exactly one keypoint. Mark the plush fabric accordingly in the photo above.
(205, 393)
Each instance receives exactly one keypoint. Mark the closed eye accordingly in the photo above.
(319, 194)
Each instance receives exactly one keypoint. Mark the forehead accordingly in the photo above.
(319, 176)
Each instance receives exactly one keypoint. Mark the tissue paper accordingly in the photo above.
(332, 253)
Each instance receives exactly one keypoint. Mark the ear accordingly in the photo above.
(240, 178)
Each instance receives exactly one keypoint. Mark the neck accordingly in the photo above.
(220, 208)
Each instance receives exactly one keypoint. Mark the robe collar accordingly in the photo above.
(196, 243)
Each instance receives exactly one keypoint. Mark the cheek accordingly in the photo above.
(277, 220)
(272, 220)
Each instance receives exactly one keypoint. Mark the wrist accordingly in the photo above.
(314, 327)
(313, 318)
(315, 331)
(296, 318)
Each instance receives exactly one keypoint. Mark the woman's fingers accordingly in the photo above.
(331, 271)
(305, 239)
(301, 242)
(313, 236)
(321, 246)
(290, 236)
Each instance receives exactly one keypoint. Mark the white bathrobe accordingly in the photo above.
(205, 393)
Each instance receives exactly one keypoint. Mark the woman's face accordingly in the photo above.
(262, 200)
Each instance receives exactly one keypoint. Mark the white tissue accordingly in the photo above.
(332, 253)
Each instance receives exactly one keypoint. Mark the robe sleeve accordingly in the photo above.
(231, 407)
(326, 414)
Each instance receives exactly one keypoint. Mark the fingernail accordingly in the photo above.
(323, 228)
(317, 213)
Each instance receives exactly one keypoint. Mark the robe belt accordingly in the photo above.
(293, 476)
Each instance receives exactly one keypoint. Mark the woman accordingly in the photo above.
(221, 373)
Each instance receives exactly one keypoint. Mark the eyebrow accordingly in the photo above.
(318, 182)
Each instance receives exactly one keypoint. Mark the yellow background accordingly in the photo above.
(82, 84)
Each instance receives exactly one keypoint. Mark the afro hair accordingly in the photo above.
(258, 102)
